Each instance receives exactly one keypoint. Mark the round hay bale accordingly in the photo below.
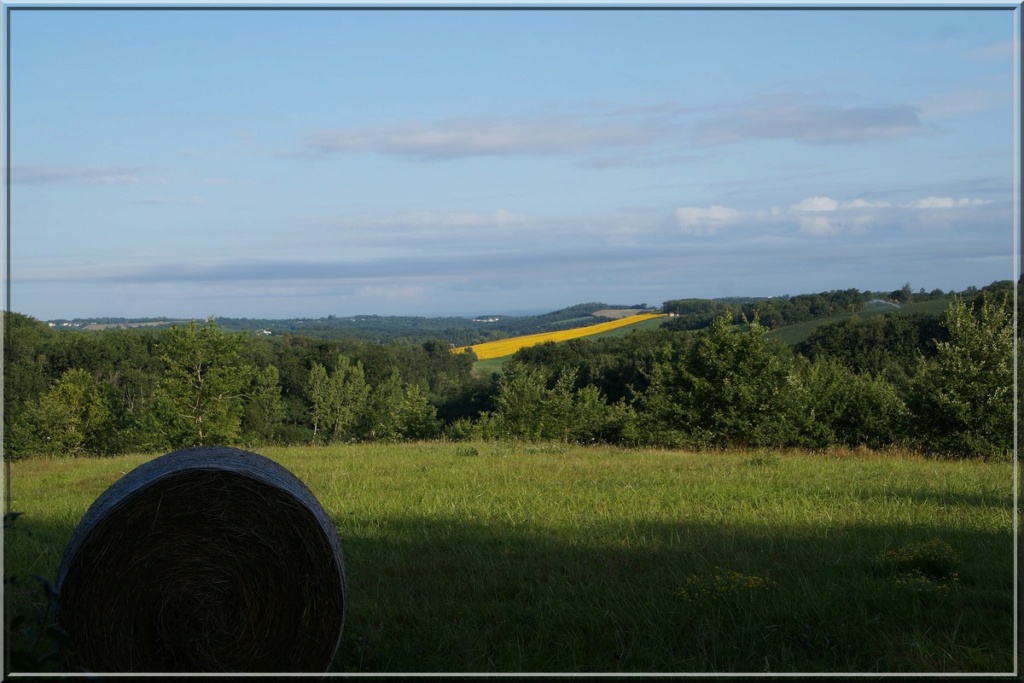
(206, 559)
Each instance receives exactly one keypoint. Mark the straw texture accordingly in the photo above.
(207, 559)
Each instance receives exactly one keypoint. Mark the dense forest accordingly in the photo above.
(710, 377)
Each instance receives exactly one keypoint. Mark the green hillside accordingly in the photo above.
(796, 333)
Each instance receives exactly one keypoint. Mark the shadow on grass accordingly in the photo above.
(445, 595)
(450, 595)
(941, 498)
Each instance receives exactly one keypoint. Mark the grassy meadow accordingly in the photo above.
(503, 557)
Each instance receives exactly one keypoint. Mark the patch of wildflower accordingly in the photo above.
(922, 566)
(933, 558)
(721, 584)
(919, 582)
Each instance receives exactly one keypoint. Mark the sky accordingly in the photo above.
(282, 163)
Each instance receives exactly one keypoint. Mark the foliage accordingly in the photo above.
(527, 409)
(396, 412)
(876, 379)
(963, 397)
(339, 399)
(70, 418)
(24, 369)
(841, 407)
(729, 388)
(264, 408)
(200, 396)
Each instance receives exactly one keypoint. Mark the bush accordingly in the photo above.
(962, 400)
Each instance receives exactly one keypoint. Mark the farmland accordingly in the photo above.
(512, 557)
(506, 347)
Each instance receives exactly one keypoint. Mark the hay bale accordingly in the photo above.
(206, 559)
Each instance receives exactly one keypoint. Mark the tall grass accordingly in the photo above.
(499, 557)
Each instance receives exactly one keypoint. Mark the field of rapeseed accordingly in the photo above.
(506, 347)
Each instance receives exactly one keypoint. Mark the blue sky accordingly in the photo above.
(301, 163)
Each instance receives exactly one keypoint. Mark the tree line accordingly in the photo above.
(775, 312)
(939, 384)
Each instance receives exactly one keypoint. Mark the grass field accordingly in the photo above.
(501, 557)
(794, 334)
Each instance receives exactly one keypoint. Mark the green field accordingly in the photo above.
(796, 333)
(502, 557)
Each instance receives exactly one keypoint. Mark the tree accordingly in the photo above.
(838, 406)
(520, 405)
(887, 344)
(730, 388)
(24, 369)
(264, 408)
(963, 397)
(318, 390)
(904, 295)
(396, 411)
(69, 419)
(526, 408)
(201, 393)
(338, 400)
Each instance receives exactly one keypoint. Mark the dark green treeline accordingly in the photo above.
(940, 384)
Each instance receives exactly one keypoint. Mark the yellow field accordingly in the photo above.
(506, 347)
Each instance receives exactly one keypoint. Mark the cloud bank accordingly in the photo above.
(668, 133)
(798, 119)
(816, 216)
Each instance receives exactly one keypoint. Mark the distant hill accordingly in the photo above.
(792, 319)
(459, 331)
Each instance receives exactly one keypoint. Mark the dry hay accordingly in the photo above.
(206, 559)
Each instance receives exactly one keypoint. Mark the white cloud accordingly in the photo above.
(864, 204)
(695, 220)
(816, 204)
(945, 203)
(818, 226)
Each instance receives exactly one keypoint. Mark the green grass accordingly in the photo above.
(500, 557)
(485, 368)
(652, 324)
